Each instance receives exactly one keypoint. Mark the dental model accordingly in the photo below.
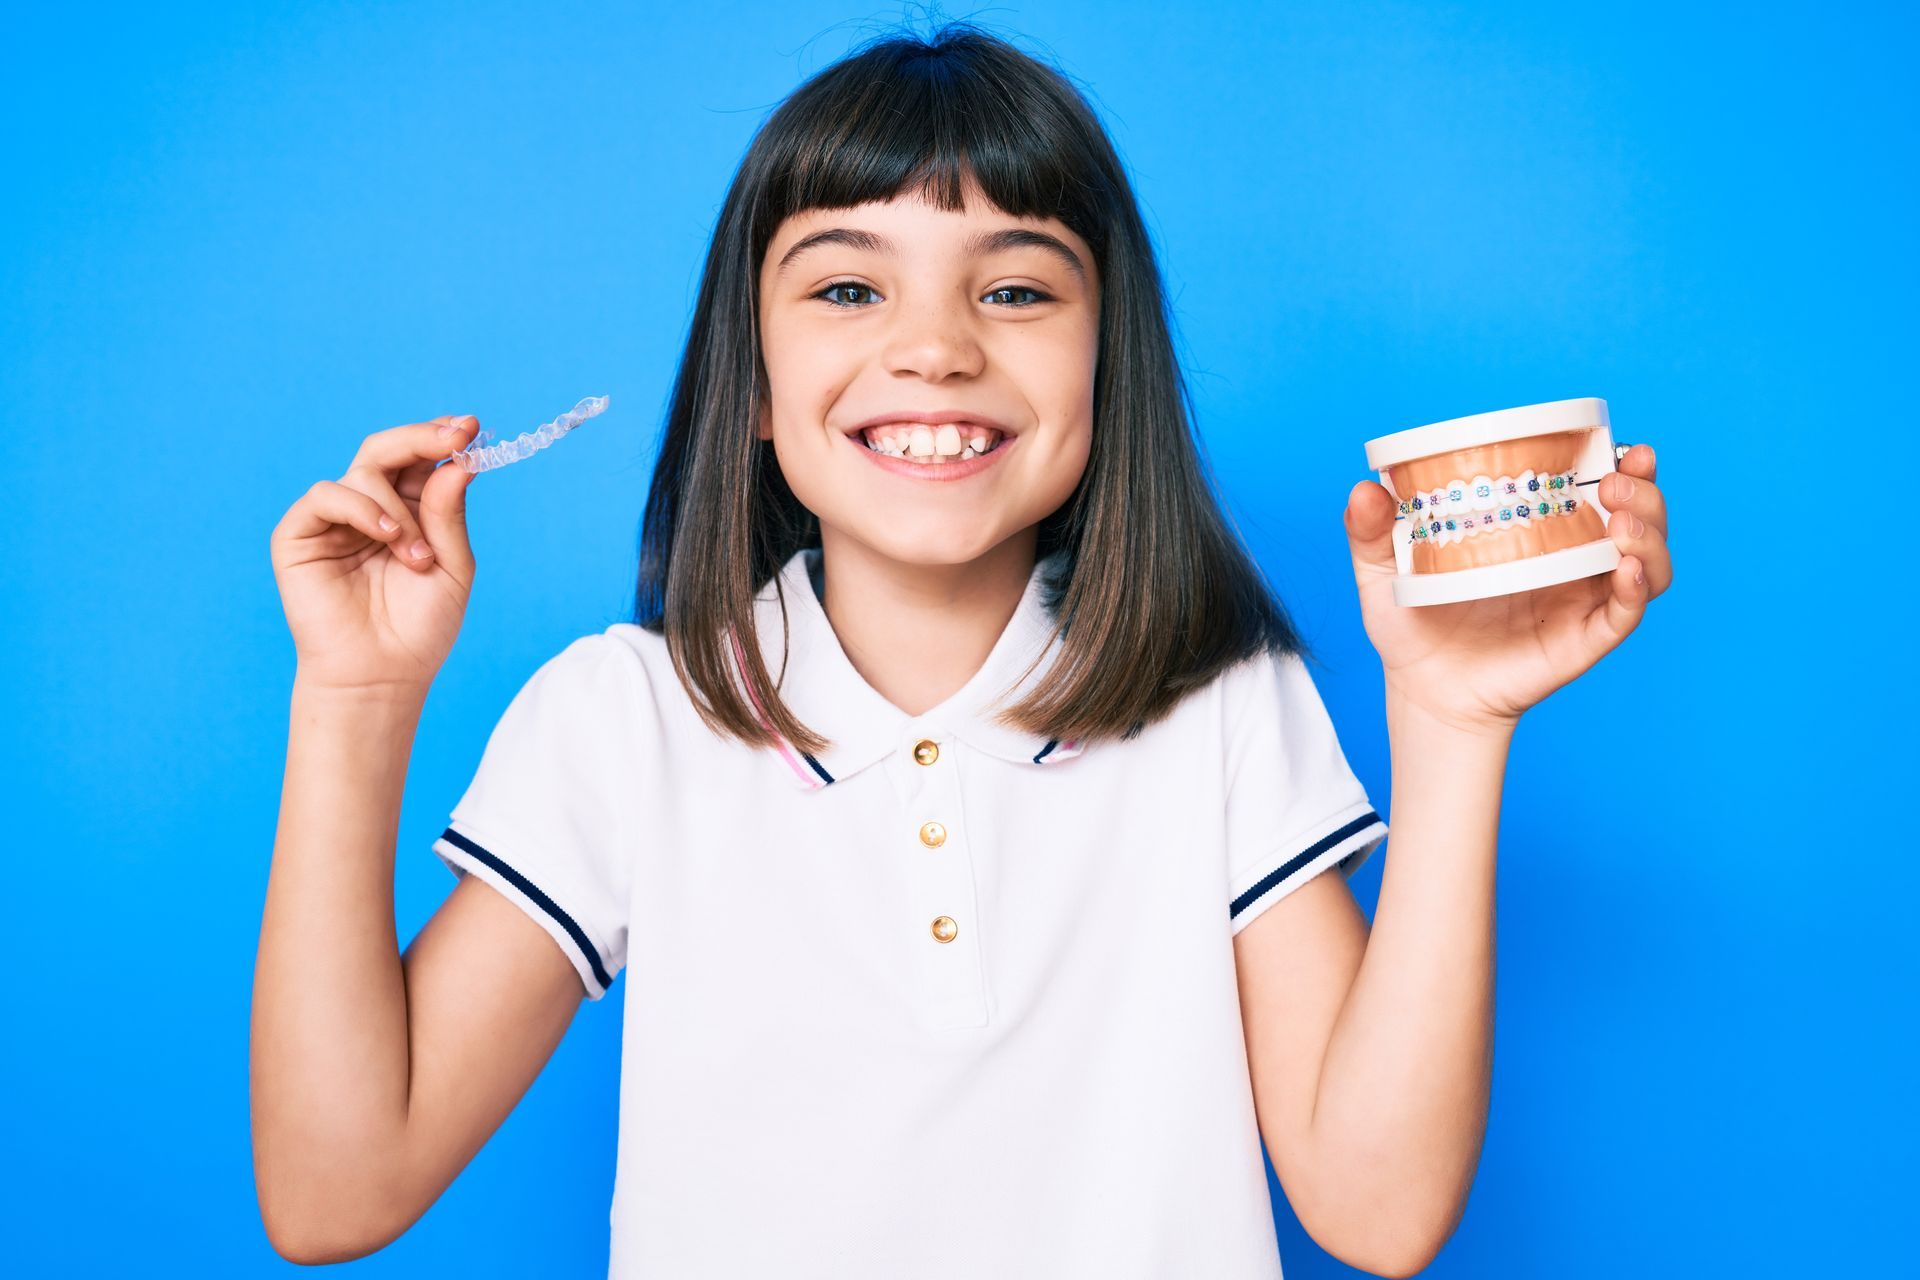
(1500, 502)
(482, 456)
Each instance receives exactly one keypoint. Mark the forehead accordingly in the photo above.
(911, 218)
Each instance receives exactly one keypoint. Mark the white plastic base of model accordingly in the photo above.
(1452, 586)
(1583, 413)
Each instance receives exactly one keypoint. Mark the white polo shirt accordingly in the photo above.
(947, 1000)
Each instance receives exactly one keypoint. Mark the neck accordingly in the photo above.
(918, 633)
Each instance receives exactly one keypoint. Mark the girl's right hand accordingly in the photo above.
(367, 613)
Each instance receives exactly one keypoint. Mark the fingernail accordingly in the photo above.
(1634, 526)
(451, 427)
(1622, 487)
(1638, 576)
(421, 550)
(387, 523)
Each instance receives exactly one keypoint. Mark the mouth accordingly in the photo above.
(932, 444)
(939, 457)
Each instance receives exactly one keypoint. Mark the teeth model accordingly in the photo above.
(482, 456)
(1496, 503)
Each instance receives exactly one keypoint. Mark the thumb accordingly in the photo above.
(443, 518)
(1370, 515)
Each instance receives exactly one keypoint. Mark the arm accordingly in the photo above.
(1371, 1056)
(376, 1077)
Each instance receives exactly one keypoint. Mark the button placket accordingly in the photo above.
(944, 921)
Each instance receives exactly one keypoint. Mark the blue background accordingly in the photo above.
(236, 239)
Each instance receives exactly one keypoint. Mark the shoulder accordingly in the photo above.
(596, 657)
(1271, 687)
(601, 675)
(1265, 674)
(641, 653)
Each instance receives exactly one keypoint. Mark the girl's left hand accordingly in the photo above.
(1479, 664)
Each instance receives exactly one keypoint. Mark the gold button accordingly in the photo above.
(944, 929)
(932, 835)
(926, 751)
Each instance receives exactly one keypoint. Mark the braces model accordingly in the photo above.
(1466, 508)
(1476, 506)
(484, 456)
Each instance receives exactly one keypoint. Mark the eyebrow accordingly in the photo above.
(979, 245)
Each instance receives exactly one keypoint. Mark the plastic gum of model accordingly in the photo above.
(1496, 503)
(484, 456)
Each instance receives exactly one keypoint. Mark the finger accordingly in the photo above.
(413, 477)
(1615, 618)
(410, 545)
(1645, 543)
(327, 504)
(392, 450)
(1621, 492)
(1638, 461)
(1369, 519)
(1636, 538)
(443, 513)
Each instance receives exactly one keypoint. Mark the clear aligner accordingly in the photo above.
(483, 456)
(1488, 504)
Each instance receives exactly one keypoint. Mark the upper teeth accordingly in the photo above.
(919, 440)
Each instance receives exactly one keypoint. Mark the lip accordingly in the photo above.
(939, 471)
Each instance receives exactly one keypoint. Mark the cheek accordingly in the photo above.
(1067, 462)
(1059, 374)
(1052, 463)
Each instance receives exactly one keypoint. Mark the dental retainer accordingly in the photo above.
(483, 454)
(1496, 503)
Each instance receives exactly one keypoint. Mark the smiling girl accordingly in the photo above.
(958, 800)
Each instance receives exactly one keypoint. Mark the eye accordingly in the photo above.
(1021, 288)
(836, 287)
(831, 293)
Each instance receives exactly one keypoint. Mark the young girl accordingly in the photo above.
(959, 794)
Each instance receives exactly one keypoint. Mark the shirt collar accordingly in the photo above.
(822, 688)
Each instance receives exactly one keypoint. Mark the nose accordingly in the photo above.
(934, 340)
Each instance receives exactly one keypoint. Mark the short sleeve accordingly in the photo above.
(546, 818)
(1294, 807)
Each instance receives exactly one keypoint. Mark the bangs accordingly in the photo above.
(902, 121)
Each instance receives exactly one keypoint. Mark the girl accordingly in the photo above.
(958, 793)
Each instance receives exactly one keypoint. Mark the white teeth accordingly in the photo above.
(930, 444)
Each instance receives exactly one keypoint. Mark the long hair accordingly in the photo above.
(1154, 592)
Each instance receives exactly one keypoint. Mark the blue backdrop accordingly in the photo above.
(236, 239)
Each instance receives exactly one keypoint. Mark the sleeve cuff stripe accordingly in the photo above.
(1301, 859)
(546, 904)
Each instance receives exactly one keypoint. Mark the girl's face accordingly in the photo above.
(894, 308)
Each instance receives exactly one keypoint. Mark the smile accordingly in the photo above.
(952, 470)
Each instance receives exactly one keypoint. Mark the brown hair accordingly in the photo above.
(1156, 594)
